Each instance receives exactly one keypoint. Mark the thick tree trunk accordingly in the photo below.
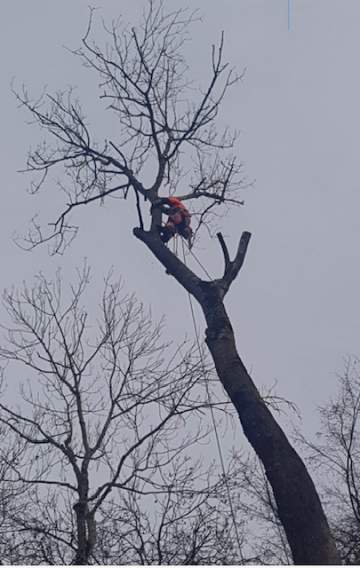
(86, 533)
(81, 557)
(85, 523)
(299, 506)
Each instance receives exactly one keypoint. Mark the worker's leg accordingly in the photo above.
(185, 230)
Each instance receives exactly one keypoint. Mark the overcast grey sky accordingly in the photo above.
(295, 306)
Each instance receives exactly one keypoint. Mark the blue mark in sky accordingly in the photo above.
(289, 14)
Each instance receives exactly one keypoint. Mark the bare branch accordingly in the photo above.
(232, 268)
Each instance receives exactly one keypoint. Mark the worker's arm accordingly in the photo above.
(163, 204)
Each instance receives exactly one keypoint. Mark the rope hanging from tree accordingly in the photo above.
(221, 458)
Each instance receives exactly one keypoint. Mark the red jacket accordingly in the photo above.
(178, 216)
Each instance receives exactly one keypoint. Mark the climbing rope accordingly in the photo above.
(175, 245)
(199, 263)
(221, 458)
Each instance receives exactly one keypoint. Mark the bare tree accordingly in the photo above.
(336, 453)
(12, 498)
(100, 426)
(163, 128)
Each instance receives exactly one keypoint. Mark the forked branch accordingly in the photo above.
(232, 267)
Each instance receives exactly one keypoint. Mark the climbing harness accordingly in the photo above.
(208, 396)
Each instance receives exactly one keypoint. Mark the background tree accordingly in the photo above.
(335, 457)
(103, 456)
(12, 499)
(163, 127)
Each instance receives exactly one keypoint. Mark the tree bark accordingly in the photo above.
(85, 523)
(298, 503)
(81, 557)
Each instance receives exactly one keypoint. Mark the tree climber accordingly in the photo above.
(178, 219)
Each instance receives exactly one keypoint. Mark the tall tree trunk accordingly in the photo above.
(86, 533)
(85, 520)
(81, 557)
(298, 503)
